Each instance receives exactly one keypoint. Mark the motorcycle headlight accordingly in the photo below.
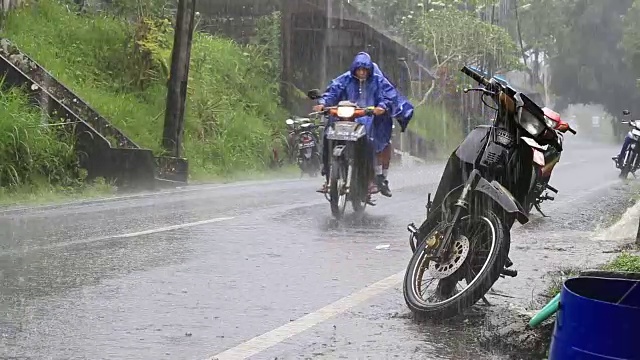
(530, 122)
(346, 111)
(550, 123)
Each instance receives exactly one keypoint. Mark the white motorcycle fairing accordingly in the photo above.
(538, 156)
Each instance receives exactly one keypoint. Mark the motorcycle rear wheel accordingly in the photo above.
(486, 276)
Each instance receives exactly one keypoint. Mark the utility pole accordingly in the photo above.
(177, 87)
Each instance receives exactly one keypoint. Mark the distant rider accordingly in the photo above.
(362, 86)
(625, 145)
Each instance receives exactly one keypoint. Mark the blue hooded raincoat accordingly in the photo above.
(376, 90)
(401, 110)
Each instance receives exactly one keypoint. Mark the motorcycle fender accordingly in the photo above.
(538, 157)
(502, 197)
(338, 150)
(473, 144)
(534, 144)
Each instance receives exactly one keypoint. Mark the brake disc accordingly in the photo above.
(459, 253)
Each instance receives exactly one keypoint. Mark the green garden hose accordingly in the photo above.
(546, 312)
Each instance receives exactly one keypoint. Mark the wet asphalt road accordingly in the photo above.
(191, 273)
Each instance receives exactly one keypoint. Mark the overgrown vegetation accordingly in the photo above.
(120, 67)
(37, 158)
(439, 127)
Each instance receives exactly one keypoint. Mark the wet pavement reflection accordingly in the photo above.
(259, 255)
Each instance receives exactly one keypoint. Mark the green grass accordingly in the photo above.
(437, 126)
(232, 116)
(624, 262)
(36, 160)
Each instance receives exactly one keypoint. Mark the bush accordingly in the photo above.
(233, 113)
(32, 153)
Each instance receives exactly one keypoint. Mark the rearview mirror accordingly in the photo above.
(626, 112)
(314, 94)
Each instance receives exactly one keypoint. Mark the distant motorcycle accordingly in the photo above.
(303, 139)
(631, 161)
(351, 168)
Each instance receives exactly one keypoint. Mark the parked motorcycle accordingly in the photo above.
(485, 182)
(631, 161)
(304, 144)
(545, 159)
(351, 167)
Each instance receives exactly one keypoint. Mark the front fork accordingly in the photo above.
(442, 249)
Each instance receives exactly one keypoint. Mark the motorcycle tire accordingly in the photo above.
(337, 172)
(479, 286)
(629, 165)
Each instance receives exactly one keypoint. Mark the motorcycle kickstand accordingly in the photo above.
(537, 206)
(486, 302)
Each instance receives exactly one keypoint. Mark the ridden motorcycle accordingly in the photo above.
(484, 184)
(545, 158)
(351, 163)
(631, 161)
(305, 145)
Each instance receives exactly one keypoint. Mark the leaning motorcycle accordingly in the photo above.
(545, 158)
(466, 235)
(351, 163)
(306, 147)
(631, 161)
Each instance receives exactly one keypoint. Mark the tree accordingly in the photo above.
(588, 65)
(534, 24)
(455, 37)
(631, 38)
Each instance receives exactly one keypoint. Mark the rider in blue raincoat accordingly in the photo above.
(402, 111)
(360, 85)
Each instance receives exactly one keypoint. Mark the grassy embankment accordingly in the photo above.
(623, 262)
(233, 117)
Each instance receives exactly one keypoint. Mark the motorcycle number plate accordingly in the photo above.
(307, 145)
(343, 131)
(345, 127)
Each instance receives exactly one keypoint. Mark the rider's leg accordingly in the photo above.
(618, 159)
(325, 164)
(382, 169)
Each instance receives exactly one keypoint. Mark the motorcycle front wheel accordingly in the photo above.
(477, 257)
(626, 165)
(337, 184)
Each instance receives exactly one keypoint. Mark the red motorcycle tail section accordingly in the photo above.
(555, 117)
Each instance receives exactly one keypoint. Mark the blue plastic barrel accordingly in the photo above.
(591, 325)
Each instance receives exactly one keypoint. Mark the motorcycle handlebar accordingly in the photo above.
(475, 76)
(368, 111)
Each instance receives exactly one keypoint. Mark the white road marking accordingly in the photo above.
(169, 228)
(121, 236)
(278, 335)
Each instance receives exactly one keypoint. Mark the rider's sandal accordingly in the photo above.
(324, 189)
